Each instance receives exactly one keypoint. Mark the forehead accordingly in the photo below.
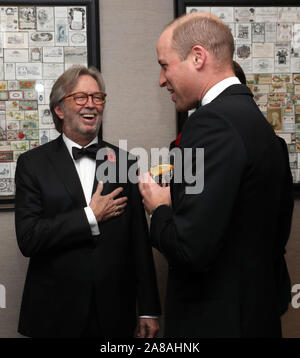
(165, 53)
(86, 83)
(165, 41)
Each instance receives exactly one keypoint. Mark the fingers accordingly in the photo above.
(112, 195)
(145, 180)
(141, 332)
(120, 201)
(140, 184)
(99, 188)
(152, 331)
(117, 204)
(119, 212)
(113, 214)
(147, 328)
(116, 208)
(142, 181)
(120, 207)
(115, 193)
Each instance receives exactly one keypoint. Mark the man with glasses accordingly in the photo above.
(90, 257)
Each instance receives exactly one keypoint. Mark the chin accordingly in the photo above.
(91, 132)
(184, 107)
(92, 129)
(184, 104)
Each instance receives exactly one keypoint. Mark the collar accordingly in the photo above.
(219, 88)
(69, 143)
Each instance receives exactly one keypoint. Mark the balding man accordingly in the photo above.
(224, 244)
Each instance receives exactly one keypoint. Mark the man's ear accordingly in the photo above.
(59, 112)
(199, 56)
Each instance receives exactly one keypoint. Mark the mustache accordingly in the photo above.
(89, 111)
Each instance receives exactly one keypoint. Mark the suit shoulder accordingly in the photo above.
(236, 110)
(211, 127)
(206, 117)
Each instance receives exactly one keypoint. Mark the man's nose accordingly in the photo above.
(162, 79)
(89, 102)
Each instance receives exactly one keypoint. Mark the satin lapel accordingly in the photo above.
(98, 162)
(65, 169)
(107, 186)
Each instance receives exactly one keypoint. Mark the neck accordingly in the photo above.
(81, 140)
(213, 79)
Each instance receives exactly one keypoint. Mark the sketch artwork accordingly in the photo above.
(267, 47)
(37, 44)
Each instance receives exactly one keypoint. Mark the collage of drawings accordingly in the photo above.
(267, 46)
(37, 44)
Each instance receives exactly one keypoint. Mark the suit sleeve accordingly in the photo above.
(147, 291)
(37, 233)
(192, 233)
(287, 202)
(283, 233)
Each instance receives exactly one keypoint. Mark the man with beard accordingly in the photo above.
(90, 258)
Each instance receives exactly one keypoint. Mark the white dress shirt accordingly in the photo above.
(86, 168)
(219, 88)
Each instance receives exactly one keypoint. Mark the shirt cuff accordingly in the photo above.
(92, 221)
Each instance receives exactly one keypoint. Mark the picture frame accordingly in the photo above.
(267, 47)
(39, 40)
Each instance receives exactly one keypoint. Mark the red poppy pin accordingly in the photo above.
(177, 141)
(111, 157)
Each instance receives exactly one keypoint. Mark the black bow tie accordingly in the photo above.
(90, 151)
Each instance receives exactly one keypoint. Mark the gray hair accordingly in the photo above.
(65, 84)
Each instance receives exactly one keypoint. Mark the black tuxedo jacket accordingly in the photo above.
(67, 263)
(225, 246)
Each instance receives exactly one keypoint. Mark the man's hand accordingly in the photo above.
(153, 194)
(147, 328)
(106, 206)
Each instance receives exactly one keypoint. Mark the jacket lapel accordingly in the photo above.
(109, 185)
(65, 169)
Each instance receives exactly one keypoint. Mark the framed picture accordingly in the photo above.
(39, 40)
(267, 47)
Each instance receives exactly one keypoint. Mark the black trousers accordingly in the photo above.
(92, 328)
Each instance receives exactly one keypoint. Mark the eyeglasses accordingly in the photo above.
(81, 98)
